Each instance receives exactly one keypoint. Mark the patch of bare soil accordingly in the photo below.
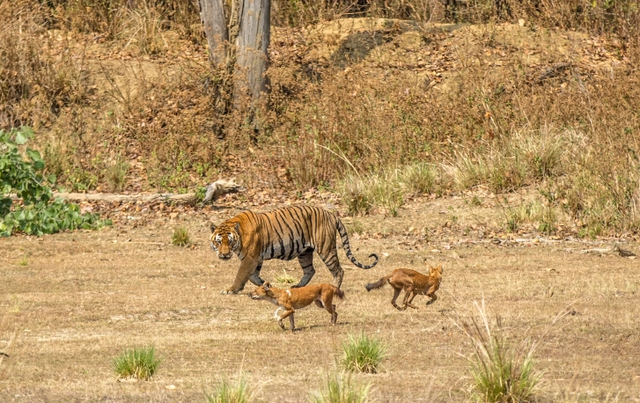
(69, 303)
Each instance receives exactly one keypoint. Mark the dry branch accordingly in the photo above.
(214, 191)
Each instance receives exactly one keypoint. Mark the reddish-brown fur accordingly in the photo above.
(413, 283)
(297, 298)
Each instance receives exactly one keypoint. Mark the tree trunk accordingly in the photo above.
(212, 14)
(238, 38)
(251, 49)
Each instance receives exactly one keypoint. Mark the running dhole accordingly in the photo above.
(413, 283)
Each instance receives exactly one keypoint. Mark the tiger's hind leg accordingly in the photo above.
(330, 259)
(306, 261)
(255, 277)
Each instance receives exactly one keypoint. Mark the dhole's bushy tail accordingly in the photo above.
(339, 293)
(377, 284)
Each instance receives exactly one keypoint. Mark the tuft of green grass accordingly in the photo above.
(226, 392)
(180, 236)
(363, 354)
(419, 179)
(340, 388)
(533, 212)
(138, 363)
(501, 372)
(285, 278)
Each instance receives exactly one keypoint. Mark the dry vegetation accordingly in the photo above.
(500, 137)
(73, 302)
(122, 97)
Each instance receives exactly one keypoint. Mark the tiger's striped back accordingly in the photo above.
(286, 233)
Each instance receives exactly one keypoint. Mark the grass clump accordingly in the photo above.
(501, 372)
(363, 354)
(534, 212)
(180, 237)
(227, 392)
(340, 388)
(285, 278)
(116, 175)
(138, 363)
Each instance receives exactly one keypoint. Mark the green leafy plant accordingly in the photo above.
(35, 212)
(363, 354)
(227, 392)
(180, 236)
(340, 388)
(138, 363)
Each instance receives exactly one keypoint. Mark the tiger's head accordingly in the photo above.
(225, 240)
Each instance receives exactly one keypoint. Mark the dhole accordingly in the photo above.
(413, 283)
(298, 298)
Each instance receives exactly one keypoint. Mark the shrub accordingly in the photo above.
(180, 236)
(226, 392)
(116, 175)
(36, 212)
(501, 372)
(138, 363)
(285, 278)
(363, 354)
(340, 388)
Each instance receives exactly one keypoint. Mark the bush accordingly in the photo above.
(139, 363)
(363, 354)
(36, 213)
(226, 392)
(501, 372)
(339, 388)
(180, 236)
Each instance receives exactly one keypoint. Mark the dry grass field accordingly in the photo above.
(71, 302)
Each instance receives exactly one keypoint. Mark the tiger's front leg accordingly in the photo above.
(255, 277)
(246, 270)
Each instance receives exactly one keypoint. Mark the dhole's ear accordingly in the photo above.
(266, 285)
(213, 227)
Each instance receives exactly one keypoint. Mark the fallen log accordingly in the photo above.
(179, 199)
(214, 191)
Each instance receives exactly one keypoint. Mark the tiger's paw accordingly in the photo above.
(228, 292)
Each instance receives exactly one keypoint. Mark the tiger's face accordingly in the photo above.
(225, 240)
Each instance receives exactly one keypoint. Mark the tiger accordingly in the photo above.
(286, 233)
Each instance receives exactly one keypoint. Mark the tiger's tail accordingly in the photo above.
(347, 248)
(378, 284)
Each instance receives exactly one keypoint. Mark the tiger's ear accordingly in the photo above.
(213, 227)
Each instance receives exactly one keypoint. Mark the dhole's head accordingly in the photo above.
(263, 292)
(435, 271)
(225, 240)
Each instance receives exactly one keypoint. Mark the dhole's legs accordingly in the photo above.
(306, 261)
(289, 313)
(396, 292)
(433, 297)
(409, 290)
(409, 303)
